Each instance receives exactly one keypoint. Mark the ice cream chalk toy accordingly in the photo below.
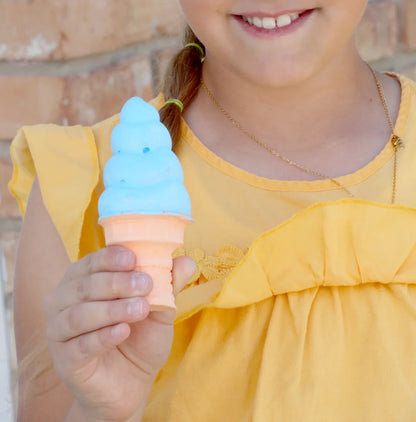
(145, 206)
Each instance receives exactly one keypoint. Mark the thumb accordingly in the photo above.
(183, 269)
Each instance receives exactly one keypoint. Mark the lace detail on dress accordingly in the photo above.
(212, 267)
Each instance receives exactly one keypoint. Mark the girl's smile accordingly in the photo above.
(266, 25)
(274, 43)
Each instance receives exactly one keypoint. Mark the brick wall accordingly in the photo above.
(78, 61)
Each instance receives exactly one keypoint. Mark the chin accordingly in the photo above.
(280, 71)
(280, 77)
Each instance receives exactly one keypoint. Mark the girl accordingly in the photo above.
(302, 305)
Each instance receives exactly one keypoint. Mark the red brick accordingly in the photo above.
(161, 61)
(98, 95)
(8, 248)
(29, 100)
(44, 29)
(408, 17)
(104, 25)
(29, 29)
(8, 204)
(377, 34)
(83, 99)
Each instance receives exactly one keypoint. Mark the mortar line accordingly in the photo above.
(396, 63)
(86, 64)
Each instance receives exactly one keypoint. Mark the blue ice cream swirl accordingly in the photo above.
(143, 176)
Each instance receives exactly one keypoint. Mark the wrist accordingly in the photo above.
(79, 413)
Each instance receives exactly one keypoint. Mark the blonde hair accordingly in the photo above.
(182, 80)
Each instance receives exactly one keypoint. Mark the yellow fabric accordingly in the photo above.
(65, 161)
(303, 306)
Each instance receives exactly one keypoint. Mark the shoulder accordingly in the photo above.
(400, 92)
(405, 86)
(406, 119)
(65, 161)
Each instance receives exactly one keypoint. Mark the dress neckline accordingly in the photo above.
(350, 179)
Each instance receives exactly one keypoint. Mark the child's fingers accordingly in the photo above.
(183, 269)
(98, 286)
(82, 349)
(90, 316)
(111, 258)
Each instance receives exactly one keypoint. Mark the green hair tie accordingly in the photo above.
(178, 103)
(194, 44)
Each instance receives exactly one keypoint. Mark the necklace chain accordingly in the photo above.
(396, 141)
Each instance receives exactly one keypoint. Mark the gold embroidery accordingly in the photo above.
(212, 267)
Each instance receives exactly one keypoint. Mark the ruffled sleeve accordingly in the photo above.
(66, 163)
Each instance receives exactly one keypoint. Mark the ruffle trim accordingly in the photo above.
(343, 243)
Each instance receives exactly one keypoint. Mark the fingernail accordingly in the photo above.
(134, 308)
(139, 283)
(115, 331)
(124, 258)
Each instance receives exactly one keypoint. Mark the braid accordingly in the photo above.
(182, 80)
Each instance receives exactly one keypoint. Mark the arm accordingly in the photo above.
(40, 265)
(109, 372)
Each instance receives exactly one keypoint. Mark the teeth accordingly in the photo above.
(283, 20)
(258, 22)
(271, 23)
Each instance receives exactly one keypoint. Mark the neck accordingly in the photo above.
(276, 114)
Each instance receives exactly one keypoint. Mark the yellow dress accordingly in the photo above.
(303, 306)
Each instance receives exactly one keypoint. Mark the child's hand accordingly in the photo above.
(106, 346)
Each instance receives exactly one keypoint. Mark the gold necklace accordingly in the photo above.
(395, 140)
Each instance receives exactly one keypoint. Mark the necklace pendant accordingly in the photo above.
(397, 142)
